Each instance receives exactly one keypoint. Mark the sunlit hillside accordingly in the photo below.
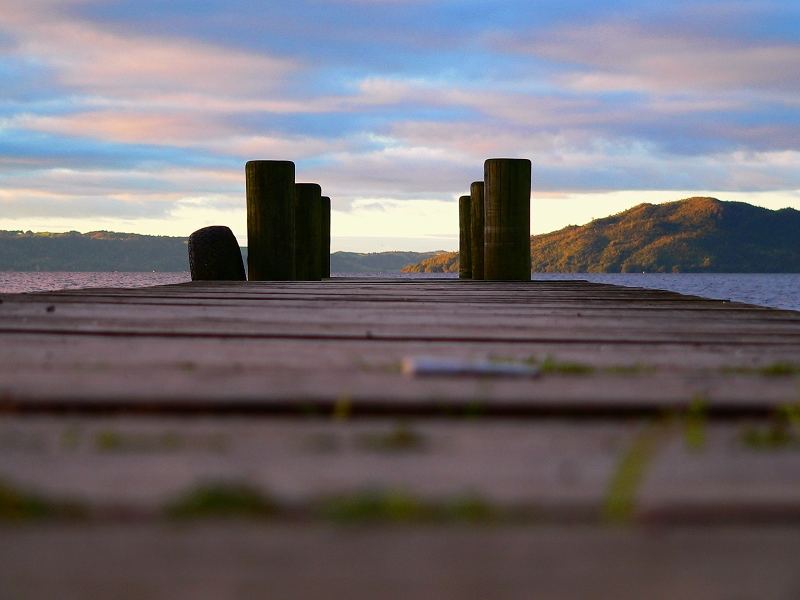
(692, 235)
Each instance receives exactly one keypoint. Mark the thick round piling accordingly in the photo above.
(325, 250)
(464, 237)
(476, 205)
(507, 219)
(270, 220)
(308, 232)
(214, 255)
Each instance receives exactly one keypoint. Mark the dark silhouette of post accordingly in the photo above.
(270, 220)
(476, 205)
(214, 255)
(308, 232)
(464, 237)
(325, 249)
(507, 219)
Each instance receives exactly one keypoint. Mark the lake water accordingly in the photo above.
(775, 290)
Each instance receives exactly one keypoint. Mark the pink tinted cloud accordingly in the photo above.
(106, 63)
(633, 57)
(127, 126)
(198, 130)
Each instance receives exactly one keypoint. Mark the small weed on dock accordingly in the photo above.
(780, 369)
(222, 500)
(776, 369)
(694, 429)
(783, 431)
(620, 500)
(400, 439)
(342, 408)
(634, 369)
(167, 441)
(474, 409)
(382, 506)
(547, 366)
(550, 366)
(20, 505)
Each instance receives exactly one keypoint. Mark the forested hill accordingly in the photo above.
(109, 251)
(93, 251)
(692, 235)
(374, 262)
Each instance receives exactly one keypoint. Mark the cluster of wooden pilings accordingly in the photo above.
(288, 232)
(288, 225)
(495, 223)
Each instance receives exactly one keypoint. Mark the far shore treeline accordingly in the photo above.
(109, 251)
(692, 235)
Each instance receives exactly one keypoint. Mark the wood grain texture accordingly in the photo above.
(669, 414)
(325, 246)
(231, 347)
(308, 232)
(559, 470)
(507, 219)
(214, 255)
(476, 224)
(216, 560)
(464, 238)
(270, 220)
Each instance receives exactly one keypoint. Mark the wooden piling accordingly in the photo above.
(476, 205)
(507, 219)
(325, 249)
(465, 235)
(270, 220)
(214, 255)
(308, 232)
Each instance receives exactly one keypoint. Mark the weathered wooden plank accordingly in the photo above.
(631, 309)
(299, 462)
(236, 560)
(233, 328)
(556, 470)
(423, 318)
(349, 314)
(315, 319)
(631, 359)
(181, 387)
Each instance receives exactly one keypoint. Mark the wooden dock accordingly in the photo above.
(228, 439)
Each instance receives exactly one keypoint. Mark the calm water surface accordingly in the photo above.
(14, 282)
(778, 291)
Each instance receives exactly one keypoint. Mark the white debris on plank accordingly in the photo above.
(421, 366)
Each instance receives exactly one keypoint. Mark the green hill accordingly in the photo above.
(374, 262)
(692, 235)
(93, 251)
(110, 251)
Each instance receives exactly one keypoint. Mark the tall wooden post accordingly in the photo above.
(270, 220)
(507, 214)
(308, 232)
(476, 204)
(325, 249)
(464, 237)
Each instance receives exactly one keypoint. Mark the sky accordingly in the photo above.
(139, 115)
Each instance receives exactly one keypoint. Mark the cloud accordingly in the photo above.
(106, 63)
(628, 56)
(116, 105)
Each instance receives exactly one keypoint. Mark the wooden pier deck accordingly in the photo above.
(657, 454)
